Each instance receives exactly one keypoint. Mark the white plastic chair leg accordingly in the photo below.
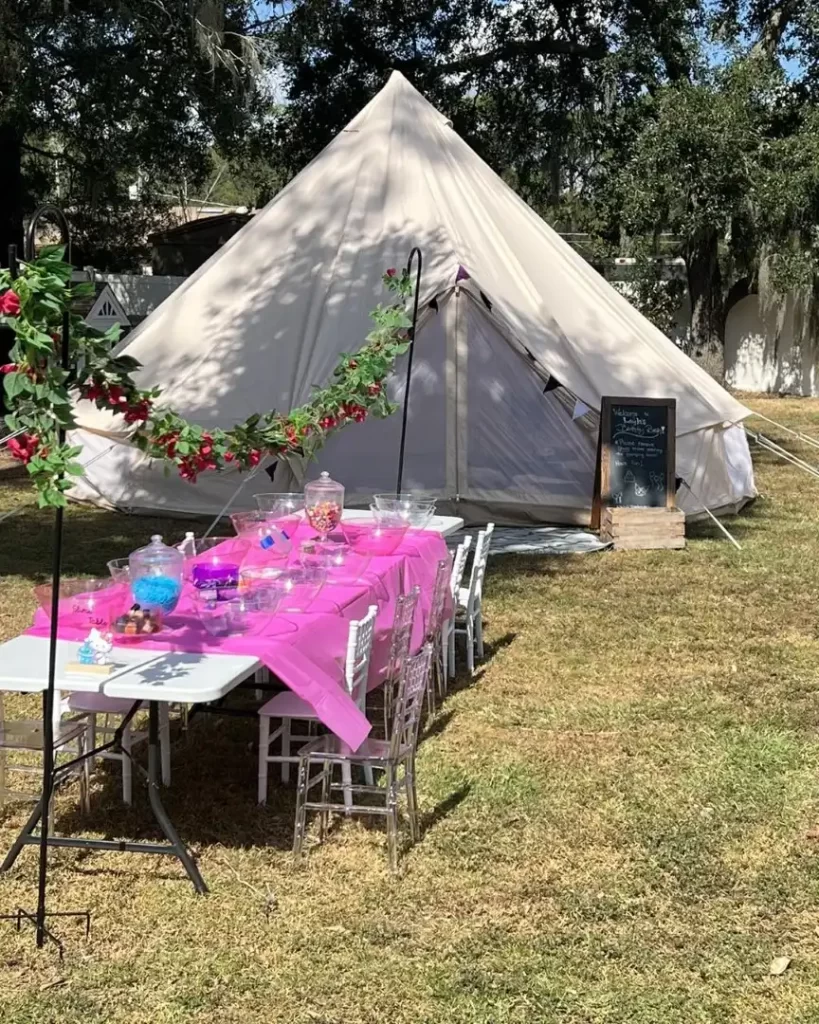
(285, 749)
(260, 676)
(479, 632)
(127, 773)
(165, 743)
(347, 782)
(470, 647)
(264, 745)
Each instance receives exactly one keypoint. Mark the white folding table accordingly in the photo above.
(151, 677)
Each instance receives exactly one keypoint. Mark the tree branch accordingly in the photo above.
(775, 26)
(48, 153)
(545, 47)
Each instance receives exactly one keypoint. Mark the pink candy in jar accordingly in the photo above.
(324, 504)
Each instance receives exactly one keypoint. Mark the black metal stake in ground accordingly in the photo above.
(414, 252)
(52, 213)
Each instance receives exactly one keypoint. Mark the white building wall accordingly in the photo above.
(763, 351)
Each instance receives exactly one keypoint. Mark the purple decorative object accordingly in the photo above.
(462, 274)
(215, 575)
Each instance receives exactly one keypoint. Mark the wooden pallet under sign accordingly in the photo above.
(636, 528)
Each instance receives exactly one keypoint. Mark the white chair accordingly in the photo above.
(455, 581)
(289, 707)
(112, 710)
(469, 613)
(400, 644)
(395, 757)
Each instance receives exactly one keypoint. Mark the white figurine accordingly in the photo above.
(101, 646)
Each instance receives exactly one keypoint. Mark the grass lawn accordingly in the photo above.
(616, 813)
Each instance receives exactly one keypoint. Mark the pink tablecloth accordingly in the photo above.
(306, 651)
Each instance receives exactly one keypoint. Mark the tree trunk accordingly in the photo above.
(11, 190)
(707, 304)
(775, 26)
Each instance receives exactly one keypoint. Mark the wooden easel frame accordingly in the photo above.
(602, 472)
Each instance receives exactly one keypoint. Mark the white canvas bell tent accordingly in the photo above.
(506, 307)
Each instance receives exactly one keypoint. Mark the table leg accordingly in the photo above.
(25, 837)
(175, 846)
(160, 813)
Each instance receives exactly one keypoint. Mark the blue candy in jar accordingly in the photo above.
(157, 592)
(156, 576)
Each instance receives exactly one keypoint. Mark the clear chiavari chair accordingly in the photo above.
(395, 757)
(400, 644)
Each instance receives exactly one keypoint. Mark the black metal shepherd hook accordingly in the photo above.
(414, 252)
(52, 213)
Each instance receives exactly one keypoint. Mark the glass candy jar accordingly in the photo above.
(324, 504)
(156, 576)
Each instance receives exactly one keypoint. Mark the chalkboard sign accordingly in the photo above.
(637, 452)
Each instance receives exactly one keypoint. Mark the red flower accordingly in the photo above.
(116, 395)
(327, 422)
(10, 303)
(229, 456)
(254, 457)
(138, 412)
(374, 389)
(353, 364)
(391, 272)
(24, 448)
(9, 368)
(94, 392)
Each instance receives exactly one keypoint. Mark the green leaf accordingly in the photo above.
(83, 290)
(16, 384)
(74, 468)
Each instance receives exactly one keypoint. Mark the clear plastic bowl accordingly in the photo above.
(223, 618)
(84, 604)
(262, 586)
(120, 569)
(249, 524)
(300, 586)
(280, 505)
(405, 500)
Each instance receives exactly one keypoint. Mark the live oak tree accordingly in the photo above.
(520, 79)
(96, 97)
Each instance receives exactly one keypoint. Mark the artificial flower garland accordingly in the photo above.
(40, 393)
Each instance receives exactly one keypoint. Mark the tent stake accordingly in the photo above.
(708, 511)
(413, 252)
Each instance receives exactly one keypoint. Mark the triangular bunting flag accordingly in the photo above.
(552, 384)
(434, 305)
(462, 275)
(580, 409)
